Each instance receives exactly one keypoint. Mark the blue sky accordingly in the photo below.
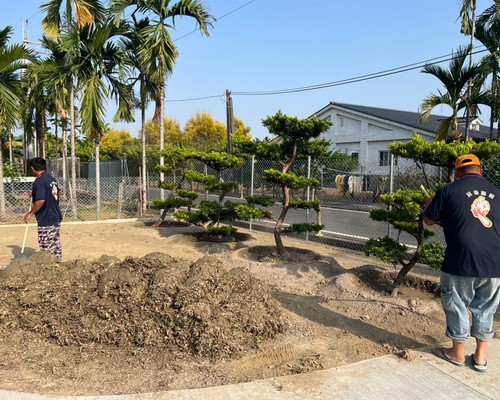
(272, 45)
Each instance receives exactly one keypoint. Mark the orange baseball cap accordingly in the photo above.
(467, 159)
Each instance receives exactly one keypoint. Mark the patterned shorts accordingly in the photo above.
(49, 239)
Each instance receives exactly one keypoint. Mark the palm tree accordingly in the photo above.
(490, 38)
(490, 15)
(468, 15)
(56, 74)
(101, 65)
(157, 53)
(70, 16)
(455, 79)
(12, 61)
(148, 91)
(35, 108)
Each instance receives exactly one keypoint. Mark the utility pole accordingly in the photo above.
(229, 121)
(471, 60)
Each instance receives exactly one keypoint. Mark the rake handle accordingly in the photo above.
(24, 240)
(26, 229)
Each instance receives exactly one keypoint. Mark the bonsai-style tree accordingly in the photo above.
(293, 138)
(209, 215)
(175, 159)
(405, 205)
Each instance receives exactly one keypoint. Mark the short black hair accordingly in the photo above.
(38, 164)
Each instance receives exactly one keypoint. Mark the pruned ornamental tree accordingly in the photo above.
(293, 138)
(442, 154)
(175, 159)
(405, 215)
(208, 214)
(404, 207)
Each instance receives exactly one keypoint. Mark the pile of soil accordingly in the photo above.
(155, 302)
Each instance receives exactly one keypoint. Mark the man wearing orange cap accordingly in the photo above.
(469, 211)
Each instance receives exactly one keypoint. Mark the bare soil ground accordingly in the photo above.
(134, 309)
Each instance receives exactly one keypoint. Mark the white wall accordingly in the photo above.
(363, 134)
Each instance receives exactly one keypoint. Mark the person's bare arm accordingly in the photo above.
(36, 207)
(428, 221)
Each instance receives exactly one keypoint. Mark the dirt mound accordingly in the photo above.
(200, 308)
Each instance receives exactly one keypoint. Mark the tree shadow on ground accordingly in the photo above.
(185, 233)
(381, 279)
(297, 261)
(310, 307)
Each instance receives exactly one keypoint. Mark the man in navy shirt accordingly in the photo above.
(469, 211)
(45, 194)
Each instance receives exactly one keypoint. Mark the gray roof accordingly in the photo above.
(412, 119)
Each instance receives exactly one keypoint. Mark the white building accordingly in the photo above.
(366, 132)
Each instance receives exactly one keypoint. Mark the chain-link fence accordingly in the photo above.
(347, 194)
(119, 198)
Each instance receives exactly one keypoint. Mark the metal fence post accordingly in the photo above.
(252, 167)
(205, 172)
(391, 189)
(308, 193)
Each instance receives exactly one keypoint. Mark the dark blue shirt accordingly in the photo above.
(45, 188)
(469, 210)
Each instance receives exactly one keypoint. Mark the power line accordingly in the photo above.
(218, 19)
(198, 98)
(361, 78)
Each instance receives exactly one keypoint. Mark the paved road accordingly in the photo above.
(352, 225)
(351, 222)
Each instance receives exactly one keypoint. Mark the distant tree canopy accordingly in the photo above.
(201, 132)
(204, 133)
(114, 144)
(173, 134)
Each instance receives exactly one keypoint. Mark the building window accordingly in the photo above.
(355, 155)
(384, 158)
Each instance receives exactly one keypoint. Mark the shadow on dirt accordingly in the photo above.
(381, 279)
(311, 307)
(297, 260)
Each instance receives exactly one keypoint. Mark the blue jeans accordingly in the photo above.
(479, 295)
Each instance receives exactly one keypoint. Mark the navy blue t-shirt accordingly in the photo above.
(45, 188)
(469, 210)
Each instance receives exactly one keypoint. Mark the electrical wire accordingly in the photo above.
(218, 19)
(361, 78)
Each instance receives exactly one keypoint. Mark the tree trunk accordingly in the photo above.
(451, 174)
(64, 162)
(11, 149)
(2, 191)
(144, 170)
(73, 149)
(416, 257)
(163, 215)
(402, 274)
(162, 138)
(286, 202)
(279, 223)
(97, 179)
(164, 212)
